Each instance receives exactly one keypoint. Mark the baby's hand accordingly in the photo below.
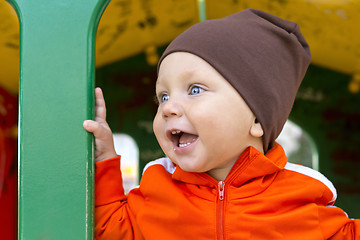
(104, 144)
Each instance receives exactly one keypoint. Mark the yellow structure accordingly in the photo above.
(129, 27)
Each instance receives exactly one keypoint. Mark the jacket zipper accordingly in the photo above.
(221, 188)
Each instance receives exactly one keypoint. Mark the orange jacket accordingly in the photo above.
(263, 197)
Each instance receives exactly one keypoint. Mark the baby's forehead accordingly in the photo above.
(186, 65)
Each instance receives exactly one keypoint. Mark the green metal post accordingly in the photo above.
(57, 40)
(202, 10)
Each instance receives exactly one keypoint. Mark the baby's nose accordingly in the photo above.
(172, 108)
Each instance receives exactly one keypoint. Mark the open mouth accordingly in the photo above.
(182, 139)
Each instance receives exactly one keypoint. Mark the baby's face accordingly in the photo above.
(202, 123)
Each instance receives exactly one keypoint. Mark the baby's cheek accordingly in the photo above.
(159, 132)
(156, 125)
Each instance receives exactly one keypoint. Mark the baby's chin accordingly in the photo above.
(189, 163)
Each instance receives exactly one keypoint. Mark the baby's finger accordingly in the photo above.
(90, 125)
(99, 130)
(100, 108)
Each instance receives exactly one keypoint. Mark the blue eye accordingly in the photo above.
(196, 90)
(164, 97)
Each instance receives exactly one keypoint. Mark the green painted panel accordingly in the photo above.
(56, 94)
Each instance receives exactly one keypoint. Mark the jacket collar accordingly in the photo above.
(250, 165)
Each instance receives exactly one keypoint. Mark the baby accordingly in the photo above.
(225, 88)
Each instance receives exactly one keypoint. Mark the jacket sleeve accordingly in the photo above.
(113, 218)
(336, 225)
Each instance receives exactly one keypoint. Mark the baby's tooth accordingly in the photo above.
(183, 144)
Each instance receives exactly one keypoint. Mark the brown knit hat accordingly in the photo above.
(262, 56)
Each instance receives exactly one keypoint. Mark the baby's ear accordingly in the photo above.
(256, 129)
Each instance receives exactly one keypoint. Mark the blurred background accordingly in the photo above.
(323, 131)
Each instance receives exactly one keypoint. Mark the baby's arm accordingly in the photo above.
(336, 225)
(110, 200)
(104, 144)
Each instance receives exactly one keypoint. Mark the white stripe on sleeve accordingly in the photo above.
(314, 174)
